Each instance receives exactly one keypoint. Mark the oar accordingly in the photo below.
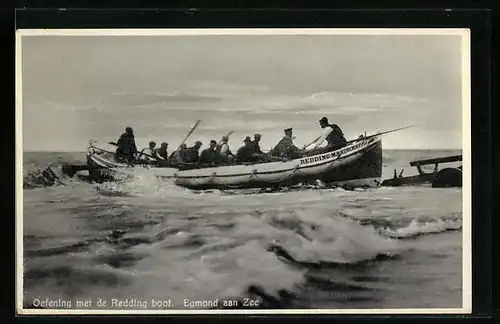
(187, 136)
(383, 133)
(228, 134)
(370, 136)
(317, 138)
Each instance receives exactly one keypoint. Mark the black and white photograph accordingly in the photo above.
(243, 171)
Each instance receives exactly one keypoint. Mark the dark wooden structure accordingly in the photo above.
(447, 177)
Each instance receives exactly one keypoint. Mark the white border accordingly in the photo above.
(19, 177)
(466, 176)
(466, 149)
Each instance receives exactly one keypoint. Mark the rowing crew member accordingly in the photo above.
(149, 153)
(331, 133)
(285, 147)
(255, 143)
(193, 153)
(179, 156)
(210, 155)
(246, 153)
(161, 153)
(223, 149)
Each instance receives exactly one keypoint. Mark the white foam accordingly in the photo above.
(417, 227)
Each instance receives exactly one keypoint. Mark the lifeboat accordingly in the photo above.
(358, 164)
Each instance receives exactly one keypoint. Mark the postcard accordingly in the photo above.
(243, 171)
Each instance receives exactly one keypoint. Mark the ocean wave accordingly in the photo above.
(265, 256)
(315, 237)
(139, 182)
(39, 178)
(68, 278)
(160, 241)
(418, 228)
(51, 175)
(44, 169)
(404, 226)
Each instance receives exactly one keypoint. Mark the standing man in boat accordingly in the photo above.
(332, 134)
(210, 155)
(193, 153)
(223, 149)
(255, 143)
(126, 147)
(285, 147)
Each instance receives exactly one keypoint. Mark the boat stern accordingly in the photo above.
(365, 171)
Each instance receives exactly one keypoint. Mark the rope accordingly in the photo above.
(253, 175)
(280, 180)
(212, 177)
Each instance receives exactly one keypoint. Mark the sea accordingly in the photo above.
(146, 244)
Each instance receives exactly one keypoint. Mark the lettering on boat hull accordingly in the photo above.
(334, 154)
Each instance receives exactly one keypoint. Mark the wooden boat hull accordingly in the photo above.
(357, 164)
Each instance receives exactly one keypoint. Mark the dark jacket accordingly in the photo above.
(209, 156)
(286, 148)
(256, 147)
(178, 157)
(246, 154)
(336, 137)
(126, 146)
(162, 153)
(191, 155)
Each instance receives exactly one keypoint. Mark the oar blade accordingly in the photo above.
(191, 131)
(187, 136)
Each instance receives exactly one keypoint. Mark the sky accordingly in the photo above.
(78, 88)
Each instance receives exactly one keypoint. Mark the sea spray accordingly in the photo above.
(418, 228)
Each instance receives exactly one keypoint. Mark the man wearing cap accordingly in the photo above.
(126, 146)
(285, 147)
(193, 153)
(255, 144)
(332, 134)
(246, 152)
(210, 156)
